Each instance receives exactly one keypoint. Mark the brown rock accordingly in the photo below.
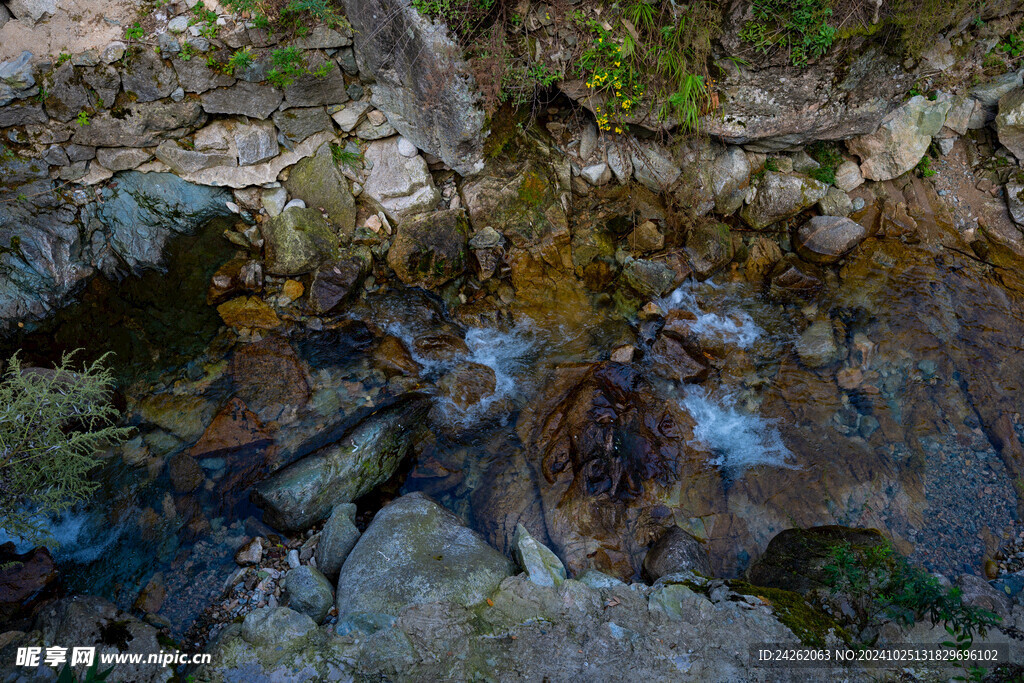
(185, 473)
(646, 238)
(292, 289)
(676, 551)
(268, 373)
(430, 249)
(248, 311)
(467, 384)
(764, 254)
(226, 282)
(250, 554)
(393, 358)
(151, 597)
(440, 347)
(672, 361)
(335, 282)
(234, 427)
(794, 280)
(26, 579)
(826, 239)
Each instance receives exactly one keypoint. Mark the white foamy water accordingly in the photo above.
(731, 324)
(737, 439)
(80, 537)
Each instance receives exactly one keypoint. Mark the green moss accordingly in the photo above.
(810, 624)
(533, 189)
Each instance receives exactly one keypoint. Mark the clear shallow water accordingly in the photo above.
(929, 350)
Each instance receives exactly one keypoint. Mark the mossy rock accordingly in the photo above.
(795, 559)
(808, 623)
(430, 250)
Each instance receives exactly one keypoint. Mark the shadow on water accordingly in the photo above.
(150, 323)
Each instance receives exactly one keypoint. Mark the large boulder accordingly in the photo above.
(142, 211)
(708, 248)
(318, 181)
(828, 100)
(826, 239)
(902, 138)
(307, 491)
(779, 196)
(730, 178)
(91, 621)
(401, 185)
(1010, 122)
(308, 592)
(421, 82)
(29, 12)
(430, 250)
(416, 552)
(147, 78)
(141, 124)
(676, 551)
(254, 100)
(795, 559)
(337, 539)
(297, 241)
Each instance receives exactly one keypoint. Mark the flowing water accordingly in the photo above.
(909, 429)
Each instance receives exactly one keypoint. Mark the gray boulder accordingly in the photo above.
(540, 564)
(836, 203)
(337, 539)
(247, 99)
(848, 176)
(825, 101)
(143, 210)
(307, 491)
(184, 161)
(653, 166)
(313, 91)
(1015, 201)
(415, 552)
(298, 124)
(708, 248)
(22, 114)
(336, 282)
(1010, 122)
(29, 12)
(987, 95)
(730, 178)
(421, 82)
(121, 158)
(901, 140)
(66, 94)
(142, 125)
(318, 181)
(308, 592)
(297, 241)
(255, 142)
(650, 278)
(196, 76)
(826, 239)
(16, 78)
(402, 186)
(779, 196)
(675, 552)
(272, 626)
(147, 78)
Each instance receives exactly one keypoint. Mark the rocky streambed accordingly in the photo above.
(412, 401)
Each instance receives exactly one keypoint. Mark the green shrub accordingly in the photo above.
(924, 167)
(801, 27)
(52, 424)
(921, 21)
(879, 584)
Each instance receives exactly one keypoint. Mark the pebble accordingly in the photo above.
(406, 148)
(178, 24)
(295, 204)
(293, 559)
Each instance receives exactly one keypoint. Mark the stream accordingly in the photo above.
(902, 426)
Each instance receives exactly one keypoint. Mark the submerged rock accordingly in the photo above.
(817, 345)
(306, 491)
(336, 282)
(416, 552)
(24, 579)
